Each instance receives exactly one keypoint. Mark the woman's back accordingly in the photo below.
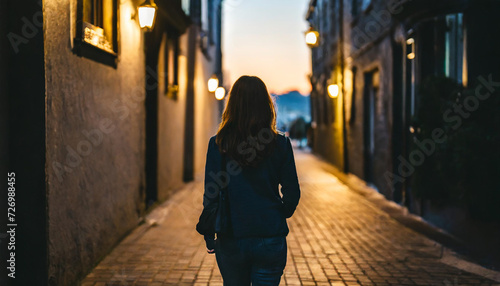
(258, 159)
(256, 207)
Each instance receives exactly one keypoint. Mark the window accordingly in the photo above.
(324, 19)
(352, 120)
(211, 22)
(204, 15)
(172, 67)
(330, 103)
(332, 108)
(327, 103)
(333, 18)
(97, 30)
(320, 92)
(354, 8)
(365, 4)
(186, 6)
(358, 6)
(454, 47)
(206, 37)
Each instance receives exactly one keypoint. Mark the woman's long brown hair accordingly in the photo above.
(248, 132)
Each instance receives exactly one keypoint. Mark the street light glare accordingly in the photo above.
(213, 83)
(333, 90)
(311, 38)
(146, 16)
(220, 93)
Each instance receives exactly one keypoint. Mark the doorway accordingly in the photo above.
(398, 117)
(151, 105)
(369, 96)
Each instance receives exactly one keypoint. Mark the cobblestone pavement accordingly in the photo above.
(336, 238)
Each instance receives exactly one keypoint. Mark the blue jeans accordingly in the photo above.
(256, 260)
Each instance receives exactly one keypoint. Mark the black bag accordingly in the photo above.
(215, 216)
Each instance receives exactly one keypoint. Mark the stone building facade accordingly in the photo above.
(104, 121)
(379, 52)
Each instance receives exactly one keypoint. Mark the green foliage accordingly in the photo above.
(465, 168)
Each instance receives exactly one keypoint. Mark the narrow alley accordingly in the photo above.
(107, 108)
(336, 238)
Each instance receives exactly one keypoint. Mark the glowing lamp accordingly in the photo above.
(312, 38)
(333, 90)
(213, 84)
(147, 15)
(220, 93)
(411, 42)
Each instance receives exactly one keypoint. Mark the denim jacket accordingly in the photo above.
(256, 207)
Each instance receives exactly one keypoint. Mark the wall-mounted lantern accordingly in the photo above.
(333, 90)
(312, 38)
(147, 15)
(411, 42)
(220, 93)
(213, 83)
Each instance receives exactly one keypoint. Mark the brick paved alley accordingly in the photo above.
(336, 238)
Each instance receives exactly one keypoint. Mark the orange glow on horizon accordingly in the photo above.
(268, 43)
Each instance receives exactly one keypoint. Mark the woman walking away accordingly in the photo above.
(253, 251)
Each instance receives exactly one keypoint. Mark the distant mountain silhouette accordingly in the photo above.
(290, 106)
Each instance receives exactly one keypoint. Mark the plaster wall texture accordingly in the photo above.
(172, 119)
(95, 143)
(171, 125)
(206, 109)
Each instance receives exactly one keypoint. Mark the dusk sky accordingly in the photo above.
(266, 38)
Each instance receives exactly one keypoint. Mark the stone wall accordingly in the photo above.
(366, 47)
(377, 58)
